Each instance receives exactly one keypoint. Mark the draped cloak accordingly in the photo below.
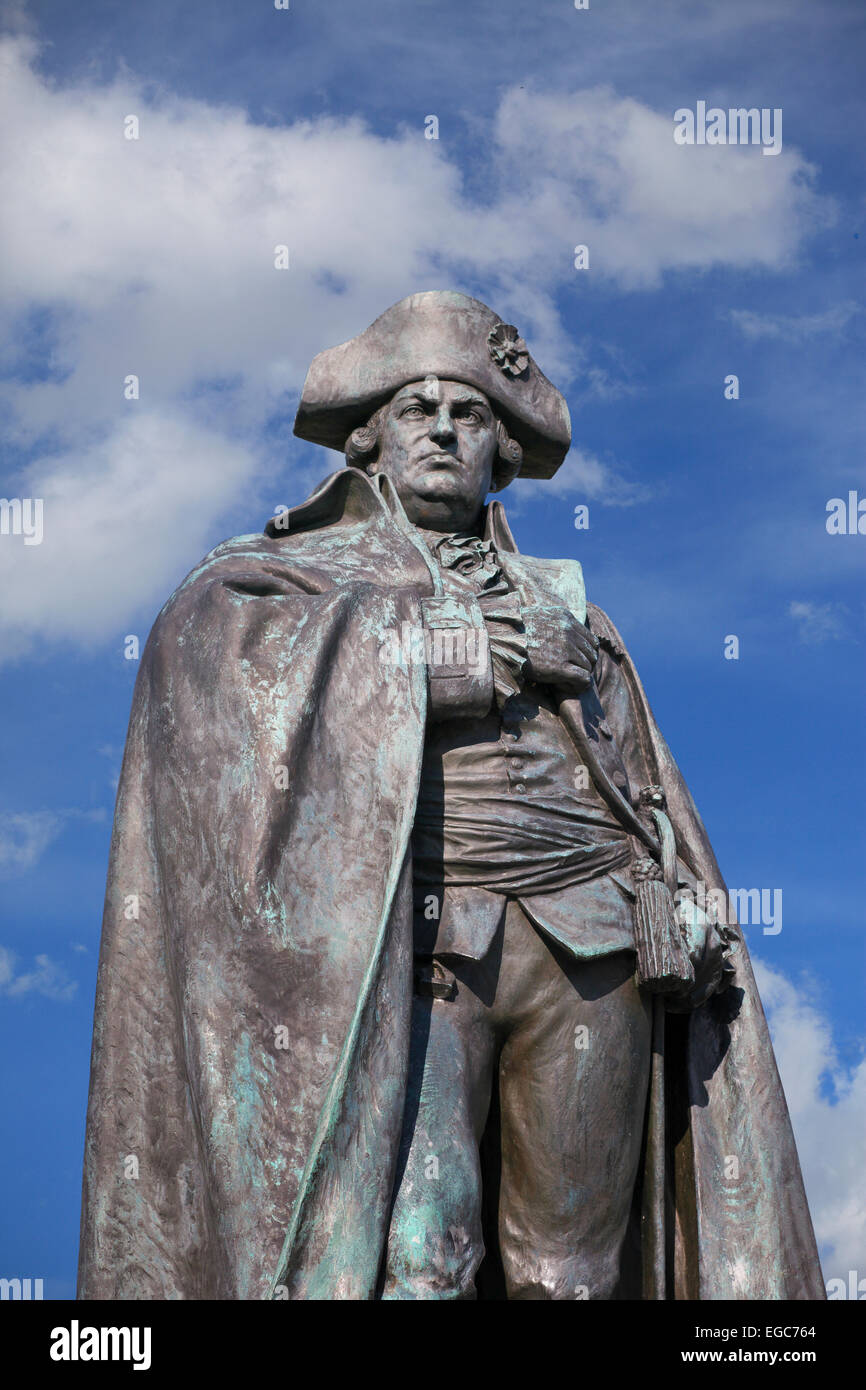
(251, 1029)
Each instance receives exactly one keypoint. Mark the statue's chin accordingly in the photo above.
(439, 500)
(442, 487)
(441, 516)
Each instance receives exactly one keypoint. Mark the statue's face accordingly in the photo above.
(438, 443)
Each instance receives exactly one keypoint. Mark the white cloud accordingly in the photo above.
(584, 477)
(24, 838)
(48, 978)
(818, 622)
(601, 170)
(26, 835)
(154, 257)
(116, 518)
(830, 1133)
(794, 328)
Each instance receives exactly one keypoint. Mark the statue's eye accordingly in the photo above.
(415, 410)
(471, 415)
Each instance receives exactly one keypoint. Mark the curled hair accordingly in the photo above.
(362, 449)
(362, 446)
(508, 459)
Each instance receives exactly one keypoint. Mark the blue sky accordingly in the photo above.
(707, 515)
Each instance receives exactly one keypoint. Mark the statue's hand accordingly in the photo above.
(710, 944)
(560, 650)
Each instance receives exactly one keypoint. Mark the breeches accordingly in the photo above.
(567, 1042)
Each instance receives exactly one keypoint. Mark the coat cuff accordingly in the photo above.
(459, 668)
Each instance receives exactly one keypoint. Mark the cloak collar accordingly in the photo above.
(349, 496)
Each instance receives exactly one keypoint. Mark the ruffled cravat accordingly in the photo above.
(468, 562)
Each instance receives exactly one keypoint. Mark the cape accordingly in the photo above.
(254, 992)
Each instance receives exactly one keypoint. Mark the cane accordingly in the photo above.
(663, 967)
(653, 1213)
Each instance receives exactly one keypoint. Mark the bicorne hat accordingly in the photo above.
(448, 335)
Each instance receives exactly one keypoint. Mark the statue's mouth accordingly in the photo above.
(450, 460)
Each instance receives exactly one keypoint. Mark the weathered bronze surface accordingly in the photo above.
(405, 991)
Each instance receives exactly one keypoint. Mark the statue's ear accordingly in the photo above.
(509, 459)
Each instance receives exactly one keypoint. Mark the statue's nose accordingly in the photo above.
(442, 427)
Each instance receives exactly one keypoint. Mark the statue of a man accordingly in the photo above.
(413, 981)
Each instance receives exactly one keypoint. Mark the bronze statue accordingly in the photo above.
(405, 990)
